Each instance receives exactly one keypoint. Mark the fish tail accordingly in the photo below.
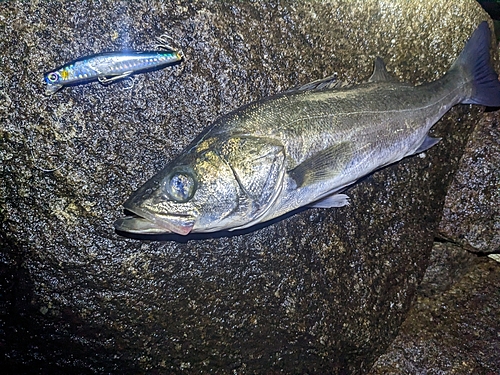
(474, 66)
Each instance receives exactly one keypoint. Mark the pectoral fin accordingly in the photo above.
(258, 165)
(323, 166)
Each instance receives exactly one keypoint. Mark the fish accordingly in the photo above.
(303, 148)
(108, 67)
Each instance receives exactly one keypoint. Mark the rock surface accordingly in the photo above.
(454, 326)
(471, 215)
(321, 291)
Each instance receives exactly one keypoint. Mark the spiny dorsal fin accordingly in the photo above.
(380, 73)
(323, 166)
(330, 82)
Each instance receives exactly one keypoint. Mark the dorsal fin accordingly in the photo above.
(330, 82)
(380, 73)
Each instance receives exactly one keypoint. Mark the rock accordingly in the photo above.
(471, 215)
(321, 291)
(453, 327)
(447, 266)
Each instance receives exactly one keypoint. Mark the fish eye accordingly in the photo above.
(181, 186)
(52, 77)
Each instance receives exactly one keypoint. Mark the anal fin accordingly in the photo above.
(426, 144)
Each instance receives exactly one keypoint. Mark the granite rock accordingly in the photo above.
(471, 215)
(323, 291)
(453, 328)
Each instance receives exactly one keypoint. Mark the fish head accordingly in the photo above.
(213, 186)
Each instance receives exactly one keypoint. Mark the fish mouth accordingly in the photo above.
(144, 222)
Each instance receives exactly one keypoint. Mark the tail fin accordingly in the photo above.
(475, 62)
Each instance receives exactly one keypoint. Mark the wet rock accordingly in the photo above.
(471, 215)
(321, 291)
(447, 266)
(453, 326)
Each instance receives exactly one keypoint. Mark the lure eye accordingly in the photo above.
(52, 77)
(181, 186)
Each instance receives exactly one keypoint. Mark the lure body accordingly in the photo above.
(108, 67)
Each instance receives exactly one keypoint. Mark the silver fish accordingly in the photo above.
(108, 67)
(303, 148)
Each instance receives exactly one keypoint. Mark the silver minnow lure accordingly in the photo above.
(302, 148)
(108, 67)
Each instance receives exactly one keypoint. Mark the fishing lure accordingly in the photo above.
(109, 67)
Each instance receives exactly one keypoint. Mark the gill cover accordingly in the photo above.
(258, 166)
(240, 199)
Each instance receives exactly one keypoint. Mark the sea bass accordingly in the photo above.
(304, 147)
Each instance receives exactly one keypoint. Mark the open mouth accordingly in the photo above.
(144, 222)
